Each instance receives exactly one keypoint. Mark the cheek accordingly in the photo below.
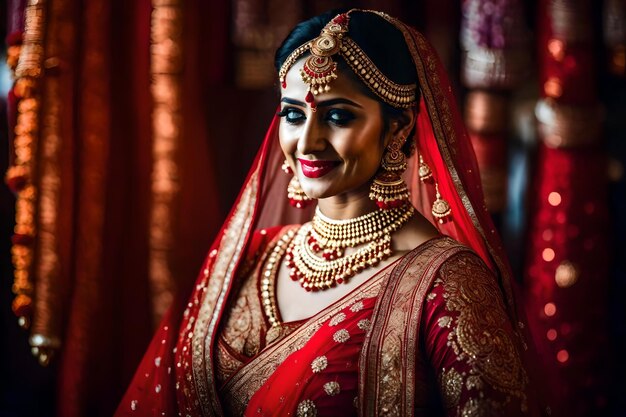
(363, 148)
(287, 139)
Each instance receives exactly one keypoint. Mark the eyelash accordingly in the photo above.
(345, 116)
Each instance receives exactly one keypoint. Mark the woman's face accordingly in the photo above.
(336, 149)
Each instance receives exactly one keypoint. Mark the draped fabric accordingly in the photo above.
(178, 372)
(568, 248)
(95, 191)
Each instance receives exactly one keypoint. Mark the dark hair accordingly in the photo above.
(383, 43)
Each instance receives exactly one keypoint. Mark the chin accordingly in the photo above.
(319, 188)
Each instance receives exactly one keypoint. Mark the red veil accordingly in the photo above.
(177, 372)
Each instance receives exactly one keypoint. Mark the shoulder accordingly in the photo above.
(464, 285)
(436, 253)
(466, 280)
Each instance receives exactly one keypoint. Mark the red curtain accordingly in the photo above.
(97, 103)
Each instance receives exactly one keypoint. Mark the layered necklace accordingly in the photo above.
(316, 255)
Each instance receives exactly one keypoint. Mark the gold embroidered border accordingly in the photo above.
(249, 379)
(166, 73)
(387, 360)
(251, 292)
(227, 258)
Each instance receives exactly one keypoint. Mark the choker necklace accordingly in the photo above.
(315, 257)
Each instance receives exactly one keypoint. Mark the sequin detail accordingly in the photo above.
(337, 319)
(332, 388)
(474, 382)
(341, 336)
(306, 409)
(451, 387)
(319, 364)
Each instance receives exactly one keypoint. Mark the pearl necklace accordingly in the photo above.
(315, 256)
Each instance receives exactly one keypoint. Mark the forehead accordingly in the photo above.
(343, 85)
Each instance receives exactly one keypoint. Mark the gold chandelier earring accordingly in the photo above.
(388, 189)
(295, 194)
(441, 208)
(425, 173)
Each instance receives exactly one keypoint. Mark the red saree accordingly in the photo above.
(435, 333)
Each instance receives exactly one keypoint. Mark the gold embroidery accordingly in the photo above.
(243, 324)
(479, 336)
(319, 364)
(228, 255)
(341, 336)
(225, 363)
(306, 409)
(390, 383)
(243, 321)
(337, 319)
(356, 307)
(474, 382)
(391, 344)
(332, 388)
(364, 324)
(451, 382)
(247, 380)
(444, 321)
(431, 296)
(480, 408)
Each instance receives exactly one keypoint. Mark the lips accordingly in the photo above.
(317, 168)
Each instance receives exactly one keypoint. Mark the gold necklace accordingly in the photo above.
(315, 256)
(268, 291)
(268, 294)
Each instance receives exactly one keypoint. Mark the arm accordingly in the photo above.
(470, 342)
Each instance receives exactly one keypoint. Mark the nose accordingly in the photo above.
(312, 139)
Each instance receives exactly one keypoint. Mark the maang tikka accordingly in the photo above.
(388, 189)
(320, 68)
(295, 194)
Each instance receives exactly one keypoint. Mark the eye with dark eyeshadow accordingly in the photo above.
(339, 117)
(292, 115)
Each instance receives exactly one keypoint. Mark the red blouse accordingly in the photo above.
(465, 365)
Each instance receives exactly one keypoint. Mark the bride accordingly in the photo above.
(365, 279)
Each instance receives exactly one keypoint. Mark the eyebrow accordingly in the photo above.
(325, 103)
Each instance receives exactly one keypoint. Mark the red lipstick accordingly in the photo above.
(317, 168)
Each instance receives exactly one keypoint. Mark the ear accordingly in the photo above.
(402, 125)
(405, 123)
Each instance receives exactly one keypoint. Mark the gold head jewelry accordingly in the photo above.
(320, 68)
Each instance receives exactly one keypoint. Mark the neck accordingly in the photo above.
(348, 205)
